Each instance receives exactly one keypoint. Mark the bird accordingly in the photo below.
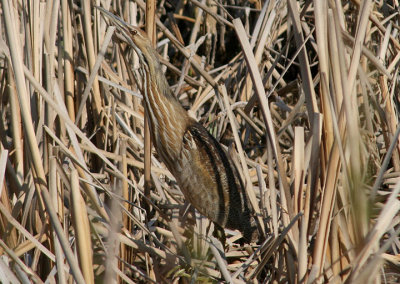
(204, 172)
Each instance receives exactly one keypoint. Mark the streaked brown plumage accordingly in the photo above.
(204, 172)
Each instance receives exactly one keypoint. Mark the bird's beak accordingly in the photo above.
(123, 27)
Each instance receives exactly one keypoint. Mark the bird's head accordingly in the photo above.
(137, 39)
(133, 36)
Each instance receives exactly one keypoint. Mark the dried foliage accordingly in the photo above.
(305, 96)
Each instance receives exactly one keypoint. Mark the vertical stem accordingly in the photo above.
(125, 251)
(86, 15)
(150, 30)
(68, 60)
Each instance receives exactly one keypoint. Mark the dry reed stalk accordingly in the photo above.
(151, 32)
(308, 99)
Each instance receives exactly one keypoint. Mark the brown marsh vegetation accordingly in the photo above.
(310, 115)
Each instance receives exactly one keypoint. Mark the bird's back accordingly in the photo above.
(210, 181)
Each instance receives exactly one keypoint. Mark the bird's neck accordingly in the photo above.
(168, 120)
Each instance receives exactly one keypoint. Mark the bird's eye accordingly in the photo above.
(134, 32)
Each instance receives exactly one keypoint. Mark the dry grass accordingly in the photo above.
(307, 92)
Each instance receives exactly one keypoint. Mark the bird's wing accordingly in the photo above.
(209, 179)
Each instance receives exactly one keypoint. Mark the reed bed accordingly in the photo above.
(303, 94)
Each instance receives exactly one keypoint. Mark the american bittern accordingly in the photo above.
(204, 172)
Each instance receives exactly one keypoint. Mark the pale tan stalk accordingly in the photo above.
(69, 90)
(54, 193)
(86, 10)
(81, 228)
(151, 32)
